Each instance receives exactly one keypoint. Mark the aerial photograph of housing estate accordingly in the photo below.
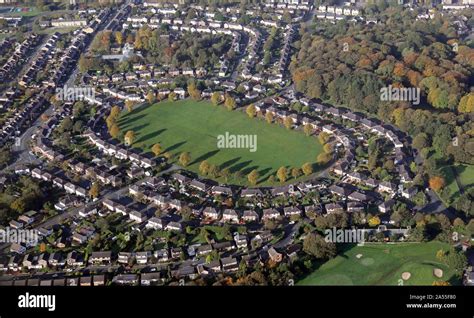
(236, 143)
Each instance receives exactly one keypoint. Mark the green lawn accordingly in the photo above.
(466, 177)
(383, 264)
(194, 126)
(466, 174)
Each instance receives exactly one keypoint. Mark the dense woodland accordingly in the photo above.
(348, 64)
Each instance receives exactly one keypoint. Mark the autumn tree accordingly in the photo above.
(323, 158)
(269, 117)
(114, 131)
(129, 137)
(436, 183)
(323, 137)
(288, 122)
(308, 129)
(215, 98)
(150, 97)
(94, 191)
(282, 174)
(184, 159)
(229, 102)
(296, 172)
(129, 105)
(307, 168)
(204, 167)
(253, 177)
(157, 149)
(194, 92)
(251, 111)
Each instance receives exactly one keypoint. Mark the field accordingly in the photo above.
(383, 265)
(194, 127)
(465, 174)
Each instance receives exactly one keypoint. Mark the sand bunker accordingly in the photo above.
(406, 275)
(359, 255)
(438, 272)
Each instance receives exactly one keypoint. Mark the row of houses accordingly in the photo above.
(118, 151)
(18, 57)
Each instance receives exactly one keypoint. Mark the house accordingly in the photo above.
(291, 211)
(250, 216)
(155, 223)
(211, 213)
(274, 255)
(248, 193)
(409, 193)
(241, 241)
(386, 206)
(74, 259)
(148, 279)
(230, 215)
(229, 264)
(17, 248)
(204, 249)
(201, 186)
(174, 226)
(355, 207)
(125, 257)
(103, 257)
(142, 257)
(221, 190)
(270, 214)
(137, 216)
(386, 186)
(98, 280)
(161, 255)
(125, 279)
(334, 207)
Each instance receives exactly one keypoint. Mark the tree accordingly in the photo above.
(323, 158)
(317, 246)
(157, 149)
(129, 105)
(436, 183)
(172, 96)
(194, 92)
(114, 131)
(115, 112)
(215, 98)
(288, 122)
(296, 172)
(323, 137)
(230, 103)
(282, 174)
(269, 117)
(253, 177)
(307, 168)
(204, 167)
(327, 148)
(374, 221)
(184, 159)
(251, 111)
(308, 129)
(94, 191)
(151, 97)
(119, 37)
(129, 137)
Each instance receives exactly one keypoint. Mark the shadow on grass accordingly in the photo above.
(205, 156)
(150, 135)
(125, 121)
(240, 166)
(229, 163)
(175, 146)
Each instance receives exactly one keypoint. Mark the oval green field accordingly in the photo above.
(194, 126)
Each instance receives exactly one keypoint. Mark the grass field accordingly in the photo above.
(465, 174)
(383, 264)
(194, 126)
